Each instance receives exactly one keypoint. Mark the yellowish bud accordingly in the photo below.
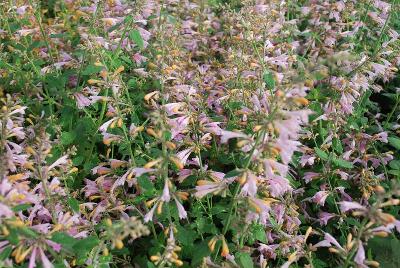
(151, 132)
(333, 250)
(202, 182)
(381, 234)
(120, 122)
(372, 263)
(118, 244)
(211, 244)
(225, 249)
(15, 177)
(170, 145)
(94, 81)
(5, 231)
(177, 162)
(73, 170)
(379, 189)
(308, 232)
(154, 258)
(159, 208)
(152, 163)
(257, 128)
(119, 70)
(178, 263)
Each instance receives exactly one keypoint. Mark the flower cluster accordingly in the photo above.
(198, 133)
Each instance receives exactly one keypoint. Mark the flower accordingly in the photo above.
(278, 185)
(227, 135)
(181, 210)
(359, 258)
(165, 194)
(320, 197)
(346, 206)
(328, 241)
(324, 217)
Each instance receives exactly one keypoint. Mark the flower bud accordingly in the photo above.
(118, 244)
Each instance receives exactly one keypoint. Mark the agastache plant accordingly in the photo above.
(199, 133)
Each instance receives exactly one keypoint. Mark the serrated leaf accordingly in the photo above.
(323, 155)
(91, 69)
(83, 246)
(67, 137)
(135, 36)
(145, 183)
(21, 207)
(269, 80)
(395, 142)
(337, 145)
(65, 240)
(5, 253)
(259, 233)
(74, 204)
(395, 164)
(233, 173)
(27, 232)
(342, 163)
(244, 260)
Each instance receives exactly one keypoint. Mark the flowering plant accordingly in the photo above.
(199, 133)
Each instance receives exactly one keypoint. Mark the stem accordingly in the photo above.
(237, 187)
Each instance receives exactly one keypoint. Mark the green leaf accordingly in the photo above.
(92, 69)
(395, 142)
(65, 240)
(269, 80)
(323, 155)
(135, 36)
(232, 173)
(27, 232)
(342, 163)
(83, 246)
(395, 164)
(145, 183)
(185, 236)
(385, 251)
(13, 237)
(5, 253)
(21, 207)
(337, 145)
(201, 251)
(67, 138)
(74, 204)
(244, 260)
(259, 233)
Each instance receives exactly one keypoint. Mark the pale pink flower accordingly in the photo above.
(307, 159)
(61, 161)
(174, 108)
(227, 135)
(81, 100)
(360, 256)
(320, 197)
(181, 210)
(346, 206)
(218, 185)
(309, 176)
(324, 217)
(184, 155)
(104, 127)
(278, 185)
(165, 194)
(250, 187)
(328, 241)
